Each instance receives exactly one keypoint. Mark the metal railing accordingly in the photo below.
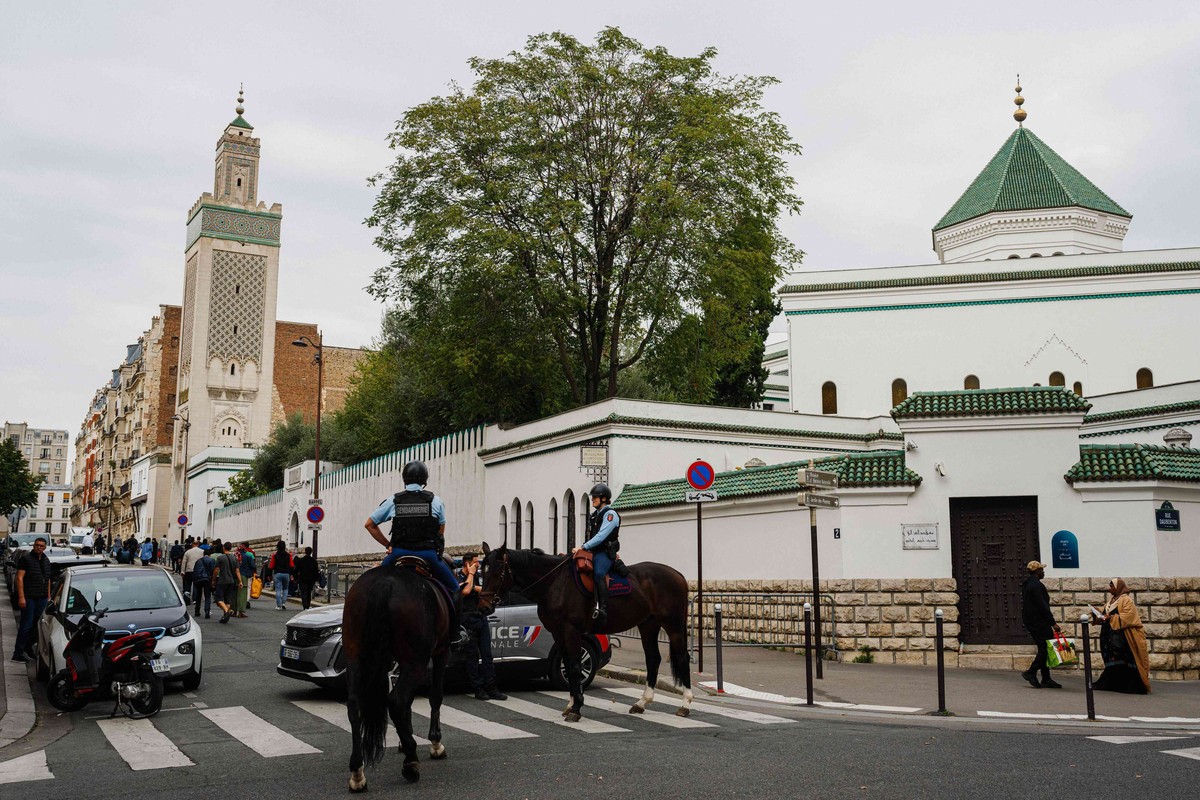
(340, 577)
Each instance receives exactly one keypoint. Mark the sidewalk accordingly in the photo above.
(17, 713)
(761, 674)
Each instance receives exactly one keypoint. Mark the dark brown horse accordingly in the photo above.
(394, 624)
(658, 602)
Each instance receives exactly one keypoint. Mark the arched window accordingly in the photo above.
(569, 519)
(1145, 378)
(1057, 379)
(1058, 253)
(553, 525)
(1078, 388)
(899, 391)
(516, 522)
(970, 382)
(503, 524)
(829, 398)
(1036, 255)
(529, 523)
(233, 369)
(1014, 255)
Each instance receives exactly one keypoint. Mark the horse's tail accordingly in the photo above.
(681, 665)
(374, 665)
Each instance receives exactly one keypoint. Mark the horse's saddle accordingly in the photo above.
(416, 564)
(617, 578)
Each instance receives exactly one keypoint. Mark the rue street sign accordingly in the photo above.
(315, 515)
(706, 496)
(1166, 517)
(818, 479)
(700, 475)
(813, 500)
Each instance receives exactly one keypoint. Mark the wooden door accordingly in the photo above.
(991, 541)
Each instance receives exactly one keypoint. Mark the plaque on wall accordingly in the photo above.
(919, 536)
(1166, 517)
(1064, 550)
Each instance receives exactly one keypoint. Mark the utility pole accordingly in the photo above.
(319, 359)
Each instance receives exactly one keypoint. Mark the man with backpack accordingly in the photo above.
(229, 581)
(191, 555)
(202, 584)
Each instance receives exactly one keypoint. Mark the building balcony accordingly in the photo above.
(124, 489)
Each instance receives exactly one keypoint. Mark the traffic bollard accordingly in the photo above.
(717, 632)
(808, 655)
(1087, 666)
(941, 661)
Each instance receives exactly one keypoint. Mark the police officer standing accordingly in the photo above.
(418, 529)
(480, 669)
(604, 524)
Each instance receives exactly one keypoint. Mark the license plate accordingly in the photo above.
(160, 666)
(288, 652)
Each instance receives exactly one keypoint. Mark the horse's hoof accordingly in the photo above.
(567, 710)
(683, 712)
(636, 709)
(572, 716)
(437, 751)
(358, 782)
(411, 771)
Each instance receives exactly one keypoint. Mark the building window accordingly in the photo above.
(49, 497)
(1013, 256)
(66, 513)
(768, 406)
(829, 398)
(516, 521)
(569, 519)
(970, 382)
(62, 527)
(504, 523)
(1078, 388)
(175, 341)
(233, 369)
(899, 391)
(1057, 379)
(47, 526)
(66, 497)
(553, 525)
(1145, 378)
(529, 523)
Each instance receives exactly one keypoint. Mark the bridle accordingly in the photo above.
(508, 573)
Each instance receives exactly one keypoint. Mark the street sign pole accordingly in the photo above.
(816, 570)
(700, 587)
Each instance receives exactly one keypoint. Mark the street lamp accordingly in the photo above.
(187, 426)
(304, 341)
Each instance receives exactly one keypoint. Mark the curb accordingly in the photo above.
(19, 715)
(638, 677)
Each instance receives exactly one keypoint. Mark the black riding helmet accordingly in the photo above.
(415, 472)
(601, 490)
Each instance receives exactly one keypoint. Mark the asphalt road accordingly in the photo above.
(250, 732)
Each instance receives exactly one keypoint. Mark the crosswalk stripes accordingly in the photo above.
(453, 718)
(655, 717)
(1189, 752)
(335, 714)
(259, 735)
(141, 745)
(29, 767)
(1183, 752)
(729, 712)
(554, 715)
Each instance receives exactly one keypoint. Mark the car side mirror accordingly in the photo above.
(98, 596)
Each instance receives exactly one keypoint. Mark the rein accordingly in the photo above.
(508, 572)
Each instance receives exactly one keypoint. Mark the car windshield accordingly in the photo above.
(122, 591)
(24, 539)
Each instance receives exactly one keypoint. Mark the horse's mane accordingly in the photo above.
(525, 559)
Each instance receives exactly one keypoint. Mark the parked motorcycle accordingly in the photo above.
(126, 668)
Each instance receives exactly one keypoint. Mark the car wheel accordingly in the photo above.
(191, 681)
(589, 660)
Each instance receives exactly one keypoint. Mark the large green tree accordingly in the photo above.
(18, 487)
(571, 215)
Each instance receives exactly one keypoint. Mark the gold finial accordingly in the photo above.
(1019, 115)
(240, 108)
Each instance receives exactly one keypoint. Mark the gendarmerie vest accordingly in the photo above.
(612, 544)
(414, 527)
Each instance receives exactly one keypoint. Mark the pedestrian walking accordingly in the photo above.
(191, 555)
(282, 567)
(147, 552)
(229, 580)
(33, 592)
(1122, 644)
(88, 543)
(1039, 621)
(176, 555)
(307, 574)
(478, 647)
(202, 584)
(246, 568)
(99, 545)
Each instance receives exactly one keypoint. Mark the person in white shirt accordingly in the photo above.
(88, 543)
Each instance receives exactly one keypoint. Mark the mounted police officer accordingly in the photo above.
(418, 529)
(604, 526)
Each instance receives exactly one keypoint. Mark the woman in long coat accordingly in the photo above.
(1123, 644)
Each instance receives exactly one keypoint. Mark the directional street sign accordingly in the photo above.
(182, 519)
(813, 500)
(315, 515)
(700, 475)
(706, 496)
(817, 479)
(314, 527)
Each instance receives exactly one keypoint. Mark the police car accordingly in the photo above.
(311, 649)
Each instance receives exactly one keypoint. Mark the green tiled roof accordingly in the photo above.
(1135, 462)
(1026, 174)
(854, 470)
(775, 355)
(993, 277)
(1145, 411)
(775, 387)
(991, 403)
(619, 419)
(239, 122)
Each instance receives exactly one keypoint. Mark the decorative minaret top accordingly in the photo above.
(241, 109)
(1019, 115)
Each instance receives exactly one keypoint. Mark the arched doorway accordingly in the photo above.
(294, 531)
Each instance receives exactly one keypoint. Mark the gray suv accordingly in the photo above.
(311, 649)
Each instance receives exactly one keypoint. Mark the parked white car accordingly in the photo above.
(136, 599)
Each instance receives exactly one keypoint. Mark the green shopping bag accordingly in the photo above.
(1060, 652)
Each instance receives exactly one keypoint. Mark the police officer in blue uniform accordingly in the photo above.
(418, 529)
(604, 525)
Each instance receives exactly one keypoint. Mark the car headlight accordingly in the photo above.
(330, 631)
(180, 628)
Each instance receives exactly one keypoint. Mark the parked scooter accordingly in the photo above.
(127, 668)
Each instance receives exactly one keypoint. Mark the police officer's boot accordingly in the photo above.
(600, 615)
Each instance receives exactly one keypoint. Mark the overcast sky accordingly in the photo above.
(110, 113)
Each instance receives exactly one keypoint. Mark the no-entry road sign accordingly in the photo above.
(700, 475)
(315, 514)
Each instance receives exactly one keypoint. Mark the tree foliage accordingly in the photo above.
(18, 486)
(242, 486)
(582, 211)
(291, 442)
